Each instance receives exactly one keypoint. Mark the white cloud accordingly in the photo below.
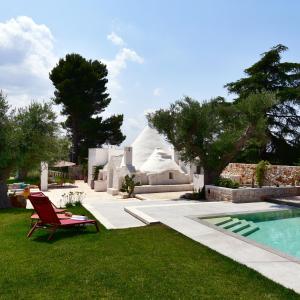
(149, 111)
(115, 39)
(26, 57)
(117, 65)
(157, 92)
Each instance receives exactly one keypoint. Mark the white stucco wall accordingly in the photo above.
(97, 156)
(163, 178)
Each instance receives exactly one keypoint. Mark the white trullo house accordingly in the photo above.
(150, 158)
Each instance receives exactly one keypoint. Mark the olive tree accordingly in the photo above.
(212, 133)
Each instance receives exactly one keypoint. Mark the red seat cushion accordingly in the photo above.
(74, 222)
(60, 216)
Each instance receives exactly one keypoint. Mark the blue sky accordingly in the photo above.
(156, 51)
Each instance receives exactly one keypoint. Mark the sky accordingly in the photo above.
(156, 51)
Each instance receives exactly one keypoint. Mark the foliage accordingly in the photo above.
(129, 185)
(9, 147)
(212, 133)
(164, 263)
(80, 87)
(72, 199)
(195, 195)
(260, 172)
(39, 139)
(282, 78)
(61, 180)
(227, 182)
(30, 180)
(96, 170)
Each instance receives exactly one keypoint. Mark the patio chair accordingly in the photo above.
(48, 217)
(56, 209)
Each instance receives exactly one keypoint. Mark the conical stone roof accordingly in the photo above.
(159, 161)
(144, 145)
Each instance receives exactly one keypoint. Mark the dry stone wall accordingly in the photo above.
(275, 175)
(243, 195)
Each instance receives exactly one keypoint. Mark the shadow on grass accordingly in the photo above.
(61, 234)
(15, 211)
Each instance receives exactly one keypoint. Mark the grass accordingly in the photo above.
(143, 263)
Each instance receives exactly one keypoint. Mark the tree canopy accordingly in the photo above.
(283, 131)
(27, 137)
(80, 87)
(212, 133)
(40, 137)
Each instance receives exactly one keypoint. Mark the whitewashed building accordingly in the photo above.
(150, 158)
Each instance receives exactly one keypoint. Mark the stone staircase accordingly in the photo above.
(236, 225)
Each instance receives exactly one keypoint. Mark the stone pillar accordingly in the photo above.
(128, 156)
(44, 176)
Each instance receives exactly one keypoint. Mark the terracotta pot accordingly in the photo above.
(18, 201)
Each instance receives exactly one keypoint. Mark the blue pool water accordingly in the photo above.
(279, 230)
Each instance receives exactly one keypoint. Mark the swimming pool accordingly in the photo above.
(279, 230)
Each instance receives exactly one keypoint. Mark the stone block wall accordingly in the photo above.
(275, 175)
(243, 195)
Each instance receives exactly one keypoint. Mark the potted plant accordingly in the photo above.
(17, 201)
(95, 174)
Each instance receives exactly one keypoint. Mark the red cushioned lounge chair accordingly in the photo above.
(57, 210)
(47, 216)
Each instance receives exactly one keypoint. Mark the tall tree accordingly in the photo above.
(9, 150)
(212, 133)
(80, 87)
(283, 78)
(40, 139)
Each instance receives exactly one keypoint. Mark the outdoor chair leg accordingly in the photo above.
(52, 233)
(97, 227)
(33, 228)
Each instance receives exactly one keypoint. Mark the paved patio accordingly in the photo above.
(115, 213)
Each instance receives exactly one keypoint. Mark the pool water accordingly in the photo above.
(279, 230)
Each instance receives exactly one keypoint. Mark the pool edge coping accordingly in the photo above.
(199, 219)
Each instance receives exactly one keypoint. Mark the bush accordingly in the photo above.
(129, 184)
(195, 195)
(96, 170)
(227, 182)
(72, 199)
(34, 180)
(260, 172)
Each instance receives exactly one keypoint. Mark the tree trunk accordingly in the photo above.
(75, 143)
(210, 176)
(22, 174)
(4, 201)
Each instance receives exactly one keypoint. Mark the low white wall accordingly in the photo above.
(198, 181)
(143, 189)
(163, 178)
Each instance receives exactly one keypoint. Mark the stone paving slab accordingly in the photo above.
(278, 268)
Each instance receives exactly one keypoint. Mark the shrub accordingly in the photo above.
(227, 182)
(96, 170)
(129, 184)
(195, 195)
(260, 172)
(72, 199)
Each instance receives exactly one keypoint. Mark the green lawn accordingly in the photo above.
(144, 263)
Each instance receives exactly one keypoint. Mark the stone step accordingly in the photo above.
(243, 225)
(252, 228)
(231, 223)
(133, 211)
(219, 221)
